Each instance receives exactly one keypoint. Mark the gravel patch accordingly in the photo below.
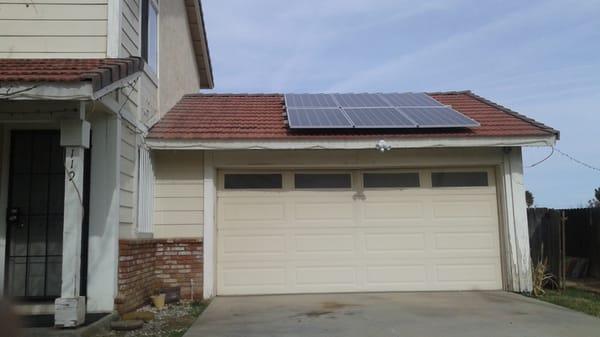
(172, 321)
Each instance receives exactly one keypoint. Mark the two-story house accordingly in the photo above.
(81, 82)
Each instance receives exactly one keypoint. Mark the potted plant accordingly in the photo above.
(158, 300)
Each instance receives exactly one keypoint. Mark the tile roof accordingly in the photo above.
(260, 116)
(100, 72)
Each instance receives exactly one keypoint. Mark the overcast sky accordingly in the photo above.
(540, 58)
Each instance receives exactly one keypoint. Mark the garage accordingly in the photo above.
(346, 192)
(350, 230)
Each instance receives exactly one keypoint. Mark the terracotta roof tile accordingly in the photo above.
(260, 116)
(100, 72)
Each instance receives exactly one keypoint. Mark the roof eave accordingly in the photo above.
(200, 43)
(345, 144)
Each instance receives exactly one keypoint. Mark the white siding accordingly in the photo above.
(128, 180)
(53, 28)
(131, 30)
(145, 204)
(179, 189)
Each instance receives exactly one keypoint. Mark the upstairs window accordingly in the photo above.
(150, 34)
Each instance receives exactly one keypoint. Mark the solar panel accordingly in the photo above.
(410, 99)
(359, 100)
(438, 117)
(323, 118)
(389, 110)
(309, 101)
(378, 118)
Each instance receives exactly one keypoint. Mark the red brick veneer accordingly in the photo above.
(146, 265)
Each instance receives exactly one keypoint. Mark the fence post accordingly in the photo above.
(563, 259)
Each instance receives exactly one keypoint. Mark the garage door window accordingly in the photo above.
(322, 180)
(459, 179)
(253, 181)
(390, 180)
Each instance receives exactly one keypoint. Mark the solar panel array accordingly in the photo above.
(374, 111)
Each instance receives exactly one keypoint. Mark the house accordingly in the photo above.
(112, 187)
(321, 193)
(80, 84)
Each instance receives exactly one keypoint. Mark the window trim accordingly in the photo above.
(349, 188)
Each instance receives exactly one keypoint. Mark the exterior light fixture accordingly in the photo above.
(382, 146)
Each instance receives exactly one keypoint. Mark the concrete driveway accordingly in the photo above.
(448, 314)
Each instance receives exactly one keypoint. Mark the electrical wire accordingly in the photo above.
(591, 167)
(9, 94)
(568, 156)
(543, 160)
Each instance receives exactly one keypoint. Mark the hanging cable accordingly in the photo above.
(543, 160)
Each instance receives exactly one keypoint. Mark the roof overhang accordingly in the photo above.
(200, 42)
(337, 144)
(61, 91)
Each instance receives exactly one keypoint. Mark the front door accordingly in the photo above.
(35, 215)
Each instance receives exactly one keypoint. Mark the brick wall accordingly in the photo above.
(149, 264)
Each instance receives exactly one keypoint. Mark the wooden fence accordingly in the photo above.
(569, 239)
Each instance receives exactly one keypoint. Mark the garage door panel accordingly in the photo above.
(324, 211)
(253, 276)
(466, 273)
(251, 245)
(324, 244)
(242, 212)
(407, 276)
(465, 241)
(463, 209)
(334, 275)
(394, 243)
(392, 209)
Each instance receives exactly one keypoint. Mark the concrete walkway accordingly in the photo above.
(448, 314)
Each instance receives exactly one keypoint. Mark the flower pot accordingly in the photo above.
(158, 301)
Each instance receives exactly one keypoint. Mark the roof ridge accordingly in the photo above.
(451, 92)
(515, 114)
(232, 94)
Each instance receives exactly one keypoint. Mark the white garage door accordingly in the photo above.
(351, 231)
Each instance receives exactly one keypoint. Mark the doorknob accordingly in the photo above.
(13, 218)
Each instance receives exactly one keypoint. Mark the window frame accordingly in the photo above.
(348, 173)
(488, 177)
(226, 189)
(144, 42)
(417, 172)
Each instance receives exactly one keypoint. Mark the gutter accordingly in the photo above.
(325, 144)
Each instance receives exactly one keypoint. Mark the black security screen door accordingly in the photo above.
(35, 215)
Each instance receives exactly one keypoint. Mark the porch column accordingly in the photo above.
(75, 138)
(72, 223)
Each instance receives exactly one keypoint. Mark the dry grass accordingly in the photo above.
(541, 278)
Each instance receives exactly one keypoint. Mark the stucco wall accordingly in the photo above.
(178, 194)
(178, 69)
